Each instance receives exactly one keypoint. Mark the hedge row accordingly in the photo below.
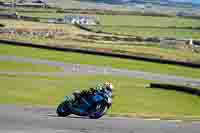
(180, 88)
(95, 52)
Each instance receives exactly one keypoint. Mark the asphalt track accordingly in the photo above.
(23, 119)
(19, 119)
(89, 69)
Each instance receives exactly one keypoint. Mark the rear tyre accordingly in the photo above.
(98, 110)
(63, 109)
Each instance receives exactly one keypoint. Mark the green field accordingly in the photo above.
(28, 25)
(132, 96)
(146, 50)
(149, 26)
(10, 66)
(126, 20)
(72, 38)
(100, 61)
(136, 25)
(130, 20)
(150, 32)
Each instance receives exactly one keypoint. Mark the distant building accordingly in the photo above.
(52, 21)
(21, 1)
(82, 20)
(140, 6)
(75, 19)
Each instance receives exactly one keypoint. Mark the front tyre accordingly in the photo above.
(98, 110)
(63, 109)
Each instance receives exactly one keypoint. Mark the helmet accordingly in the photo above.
(76, 93)
(108, 86)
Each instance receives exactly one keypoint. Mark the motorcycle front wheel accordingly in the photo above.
(98, 110)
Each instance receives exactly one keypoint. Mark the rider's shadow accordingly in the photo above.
(70, 117)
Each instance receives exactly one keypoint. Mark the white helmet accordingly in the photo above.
(108, 86)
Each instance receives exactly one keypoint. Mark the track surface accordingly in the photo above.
(89, 69)
(18, 119)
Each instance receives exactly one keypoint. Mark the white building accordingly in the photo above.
(82, 20)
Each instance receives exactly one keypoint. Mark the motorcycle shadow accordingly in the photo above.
(70, 116)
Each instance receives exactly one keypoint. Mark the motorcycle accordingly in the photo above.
(95, 105)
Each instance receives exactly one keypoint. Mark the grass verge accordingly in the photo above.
(69, 57)
(12, 66)
(133, 97)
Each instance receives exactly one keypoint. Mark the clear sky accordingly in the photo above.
(194, 1)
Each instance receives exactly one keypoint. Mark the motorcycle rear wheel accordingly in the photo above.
(63, 109)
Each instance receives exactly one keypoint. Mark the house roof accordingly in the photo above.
(78, 17)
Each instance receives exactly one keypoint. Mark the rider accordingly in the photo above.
(107, 86)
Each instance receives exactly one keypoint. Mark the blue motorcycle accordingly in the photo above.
(95, 105)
